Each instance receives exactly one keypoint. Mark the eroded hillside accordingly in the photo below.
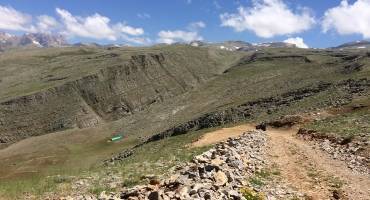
(80, 88)
(82, 97)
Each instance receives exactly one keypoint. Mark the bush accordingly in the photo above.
(249, 194)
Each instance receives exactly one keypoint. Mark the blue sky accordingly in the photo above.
(319, 23)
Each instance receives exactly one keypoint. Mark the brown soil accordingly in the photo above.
(221, 135)
(312, 171)
(309, 170)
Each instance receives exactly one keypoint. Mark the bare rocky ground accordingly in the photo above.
(276, 164)
(310, 169)
(351, 152)
(235, 169)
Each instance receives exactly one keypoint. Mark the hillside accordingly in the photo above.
(74, 99)
(59, 89)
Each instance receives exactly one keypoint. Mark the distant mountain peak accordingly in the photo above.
(31, 40)
(238, 45)
(359, 44)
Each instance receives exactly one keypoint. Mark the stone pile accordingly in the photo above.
(224, 172)
(351, 151)
(347, 153)
(220, 173)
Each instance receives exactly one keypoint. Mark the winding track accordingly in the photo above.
(309, 170)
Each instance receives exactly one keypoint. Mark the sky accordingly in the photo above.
(314, 23)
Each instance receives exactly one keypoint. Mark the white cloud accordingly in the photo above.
(128, 29)
(191, 34)
(46, 23)
(349, 18)
(94, 26)
(11, 19)
(194, 26)
(297, 41)
(144, 16)
(98, 27)
(170, 37)
(268, 18)
(137, 40)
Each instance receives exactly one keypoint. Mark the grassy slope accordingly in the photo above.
(81, 150)
(27, 71)
(348, 123)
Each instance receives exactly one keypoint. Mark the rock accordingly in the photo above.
(154, 196)
(220, 178)
(262, 126)
(217, 162)
(338, 194)
(219, 173)
(154, 182)
(234, 195)
(103, 196)
(184, 192)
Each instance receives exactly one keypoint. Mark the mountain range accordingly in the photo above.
(360, 44)
(31, 40)
(38, 40)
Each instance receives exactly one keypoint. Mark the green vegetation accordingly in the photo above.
(158, 158)
(349, 124)
(152, 159)
(249, 194)
(224, 82)
(261, 177)
(335, 182)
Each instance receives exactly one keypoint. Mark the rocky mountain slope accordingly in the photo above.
(31, 40)
(118, 87)
(159, 98)
(241, 45)
(354, 45)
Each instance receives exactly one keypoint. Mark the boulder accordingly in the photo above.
(220, 178)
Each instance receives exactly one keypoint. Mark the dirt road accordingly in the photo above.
(221, 135)
(309, 170)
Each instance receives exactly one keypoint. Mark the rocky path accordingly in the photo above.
(314, 172)
(221, 135)
(235, 169)
(255, 165)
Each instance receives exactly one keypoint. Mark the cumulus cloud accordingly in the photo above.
(190, 34)
(11, 19)
(170, 37)
(268, 18)
(94, 26)
(136, 40)
(196, 25)
(98, 27)
(349, 18)
(128, 29)
(46, 23)
(297, 41)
